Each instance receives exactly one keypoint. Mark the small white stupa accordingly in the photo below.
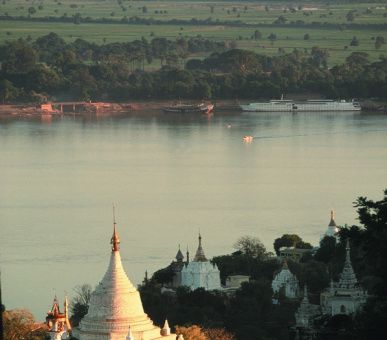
(115, 310)
(200, 273)
(286, 279)
(347, 295)
(332, 227)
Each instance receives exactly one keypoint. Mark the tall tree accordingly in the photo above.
(371, 240)
(251, 247)
(286, 240)
(79, 305)
(20, 324)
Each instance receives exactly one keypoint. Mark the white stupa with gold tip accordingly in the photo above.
(115, 310)
(201, 273)
(332, 228)
(285, 278)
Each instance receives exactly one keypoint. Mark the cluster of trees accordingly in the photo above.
(20, 323)
(116, 72)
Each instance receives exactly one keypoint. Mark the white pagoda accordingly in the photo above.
(347, 295)
(286, 279)
(332, 228)
(115, 310)
(200, 273)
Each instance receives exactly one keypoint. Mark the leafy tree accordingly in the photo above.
(198, 333)
(326, 251)
(319, 56)
(191, 332)
(31, 10)
(286, 240)
(354, 42)
(163, 276)
(19, 57)
(251, 247)
(357, 59)
(257, 35)
(379, 41)
(20, 324)
(306, 36)
(79, 305)
(7, 91)
(350, 16)
(218, 334)
(315, 275)
(370, 238)
(249, 308)
(272, 37)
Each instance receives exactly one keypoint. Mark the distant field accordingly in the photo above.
(335, 40)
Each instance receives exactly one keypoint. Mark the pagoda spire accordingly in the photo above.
(166, 330)
(179, 256)
(332, 223)
(115, 240)
(66, 313)
(200, 257)
(347, 277)
(285, 265)
(130, 335)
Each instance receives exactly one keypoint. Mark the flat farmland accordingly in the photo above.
(220, 25)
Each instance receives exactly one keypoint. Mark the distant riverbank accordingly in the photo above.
(138, 106)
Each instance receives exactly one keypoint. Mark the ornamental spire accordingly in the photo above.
(347, 277)
(115, 240)
(166, 330)
(332, 223)
(285, 265)
(200, 257)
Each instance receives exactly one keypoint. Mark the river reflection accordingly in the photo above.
(169, 176)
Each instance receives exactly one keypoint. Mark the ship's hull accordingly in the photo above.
(308, 106)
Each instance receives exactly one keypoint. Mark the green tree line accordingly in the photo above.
(121, 71)
(280, 22)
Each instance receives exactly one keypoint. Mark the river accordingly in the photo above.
(170, 176)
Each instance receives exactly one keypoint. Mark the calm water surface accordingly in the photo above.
(170, 176)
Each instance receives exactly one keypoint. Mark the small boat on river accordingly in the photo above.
(187, 108)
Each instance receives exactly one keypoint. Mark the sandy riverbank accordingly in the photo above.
(138, 106)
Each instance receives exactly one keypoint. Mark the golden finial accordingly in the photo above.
(115, 240)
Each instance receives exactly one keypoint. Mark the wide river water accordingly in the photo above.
(170, 175)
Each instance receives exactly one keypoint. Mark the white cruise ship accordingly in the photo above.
(309, 105)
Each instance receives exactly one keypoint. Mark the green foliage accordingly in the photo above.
(18, 57)
(370, 238)
(354, 42)
(20, 324)
(8, 92)
(83, 71)
(79, 305)
(251, 247)
(314, 274)
(163, 276)
(31, 10)
(379, 42)
(286, 240)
